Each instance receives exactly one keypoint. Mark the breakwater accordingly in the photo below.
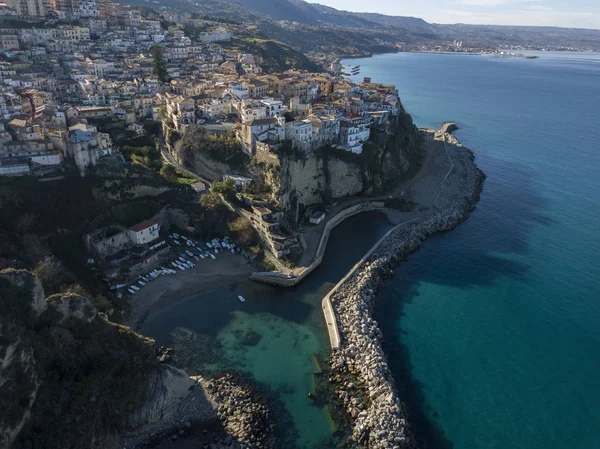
(360, 375)
(282, 280)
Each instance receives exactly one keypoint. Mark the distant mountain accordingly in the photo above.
(410, 23)
(289, 10)
(319, 28)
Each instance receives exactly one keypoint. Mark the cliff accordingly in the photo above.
(71, 379)
(392, 154)
(296, 180)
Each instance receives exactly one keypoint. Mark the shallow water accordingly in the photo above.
(493, 329)
(274, 334)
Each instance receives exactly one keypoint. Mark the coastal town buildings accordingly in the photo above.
(63, 78)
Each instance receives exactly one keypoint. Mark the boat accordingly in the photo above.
(241, 298)
(131, 291)
(135, 287)
(142, 283)
(212, 256)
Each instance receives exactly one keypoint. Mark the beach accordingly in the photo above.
(225, 273)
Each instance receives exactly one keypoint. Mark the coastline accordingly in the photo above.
(360, 375)
(226, 271)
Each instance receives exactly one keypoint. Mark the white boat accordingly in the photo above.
(142, 283)
(212, 256)
(241, 298)
(196, 258)
(189, 253)
(135, 287)
(232, 251)
(209, 245)
(131, 291)
(182, 260)
(216, 251)
(174, 264)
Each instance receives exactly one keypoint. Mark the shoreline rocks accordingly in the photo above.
(360, 375)
(239, 418)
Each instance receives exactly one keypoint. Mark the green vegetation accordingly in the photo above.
(184, 177)
(159, 68)
(89, 373)
(146, 156)
(276, 55)
(243, 231)
(212, 201)
(225, 188)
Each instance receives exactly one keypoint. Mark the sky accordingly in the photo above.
(570, 13)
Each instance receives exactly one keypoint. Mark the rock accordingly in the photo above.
(372, 401)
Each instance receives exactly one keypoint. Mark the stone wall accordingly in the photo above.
(360, 375)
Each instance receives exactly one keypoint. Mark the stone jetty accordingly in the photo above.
(245, 417)
(359, 374)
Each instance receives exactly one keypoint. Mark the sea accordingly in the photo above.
(492, 330)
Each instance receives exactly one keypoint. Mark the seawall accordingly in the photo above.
(281, 280)
(362, 381)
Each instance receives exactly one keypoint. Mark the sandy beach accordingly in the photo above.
(227, 270)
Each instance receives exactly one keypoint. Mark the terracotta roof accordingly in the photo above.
(143, 225)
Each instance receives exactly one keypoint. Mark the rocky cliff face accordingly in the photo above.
(71, 379)
(328, 174)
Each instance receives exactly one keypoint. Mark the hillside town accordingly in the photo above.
(96, 60)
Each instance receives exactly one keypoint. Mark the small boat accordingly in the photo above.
(212, 256)
(241, 298)
(135, 287)
(131, 291)
(142, 283)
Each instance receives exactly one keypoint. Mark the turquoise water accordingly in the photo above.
(273, 335)
(493, 329)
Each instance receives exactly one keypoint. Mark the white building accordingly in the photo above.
(216, 108)
(252, 110)
(144, 232)
(299, 131)
(220, 34)
(274, 107)
(353, 134)
(239, 91)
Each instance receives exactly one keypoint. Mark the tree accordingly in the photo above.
(159, 68)
(225, 188)
(211, 201)
(169, 173)
(242, 228)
